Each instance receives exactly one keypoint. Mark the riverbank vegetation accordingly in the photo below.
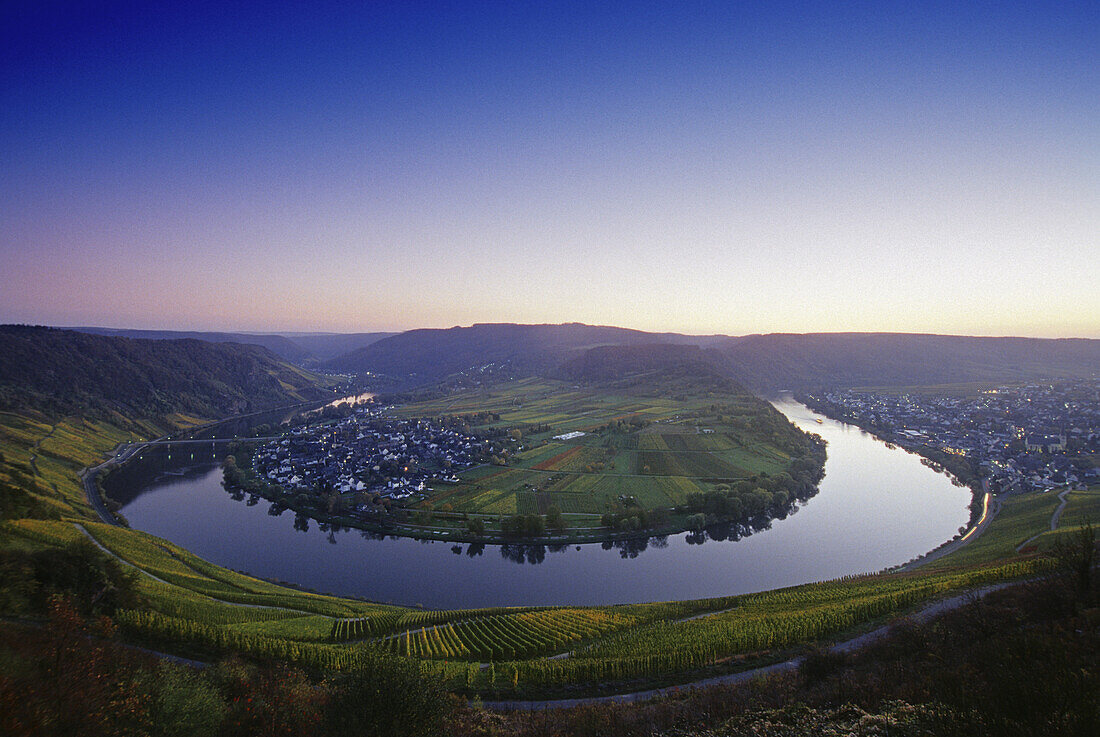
(189, 606)
(655, 454)
(283, 660)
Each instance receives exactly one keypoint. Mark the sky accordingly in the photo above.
(727, 167)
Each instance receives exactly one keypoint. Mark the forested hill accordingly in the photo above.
(280, 345)
(428, 355)
(304, 349)
(616, 361)
(797, 361)
(764, 363)
(60, 372)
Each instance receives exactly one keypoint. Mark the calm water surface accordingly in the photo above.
(877, 507)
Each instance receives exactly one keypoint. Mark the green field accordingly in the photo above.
(1020, 518)
(648, 446)
(201, 610)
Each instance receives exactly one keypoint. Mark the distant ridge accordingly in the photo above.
(812, 360)
(304, 349)
(428, 355)
(277, 344)
(764, 363)
(59, 372)
(326, 346)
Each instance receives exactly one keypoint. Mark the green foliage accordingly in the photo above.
(24, 503)
(524, 634)
(384, 697)
(183, 703)
(523, 525)
(99, 376)
(756, 622)
(93, 581)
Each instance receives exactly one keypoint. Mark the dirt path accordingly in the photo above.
(34, 464)
(141, 570)
(1054, 519)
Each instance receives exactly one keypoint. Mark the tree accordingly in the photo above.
(184, 704)
(1077, 555)
(387, 696)
(476, 526)
(554, 519)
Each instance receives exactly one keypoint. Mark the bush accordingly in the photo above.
(390, 696)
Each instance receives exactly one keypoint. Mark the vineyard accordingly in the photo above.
(638, 442)
(196, 608)
(508, 637)
(759, 622)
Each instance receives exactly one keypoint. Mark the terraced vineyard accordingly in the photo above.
(195, 608)
(754, 624)
(508, 636)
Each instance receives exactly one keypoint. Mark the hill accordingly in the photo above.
(279, 345)
(424, 356)
(304, 349)
(789, 361)
(764, 363)
(606, 363)
(63, 371)
(326, 346)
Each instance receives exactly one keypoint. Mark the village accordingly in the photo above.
(1022, 438)
(370, 452)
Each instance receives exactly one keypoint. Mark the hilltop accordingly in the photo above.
(429, 355)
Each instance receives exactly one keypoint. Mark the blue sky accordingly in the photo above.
(701, 167)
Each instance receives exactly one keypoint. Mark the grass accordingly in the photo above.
(198, 602)
(1020, 517)
(1083, 507)
(658, 465)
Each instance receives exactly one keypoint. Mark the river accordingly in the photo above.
(878, 506)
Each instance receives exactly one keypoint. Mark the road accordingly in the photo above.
(991, 506)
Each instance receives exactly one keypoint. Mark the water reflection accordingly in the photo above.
(877, 507)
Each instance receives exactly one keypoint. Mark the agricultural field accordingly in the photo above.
(638, 447)
(195, 608)
(1082, 508)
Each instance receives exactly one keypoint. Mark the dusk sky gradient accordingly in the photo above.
(698, 167)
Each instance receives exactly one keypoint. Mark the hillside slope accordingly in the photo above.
(764, 363)
(428, 355)
(62, 371)
(326, 346)
(278, 344)
(605, 363)
(790, 361)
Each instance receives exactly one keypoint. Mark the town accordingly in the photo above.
(371, 452)
(1014, 439)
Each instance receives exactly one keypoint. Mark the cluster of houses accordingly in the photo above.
(1017, 438)
(370, 451)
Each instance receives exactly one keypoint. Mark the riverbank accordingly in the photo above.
(963, 478)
